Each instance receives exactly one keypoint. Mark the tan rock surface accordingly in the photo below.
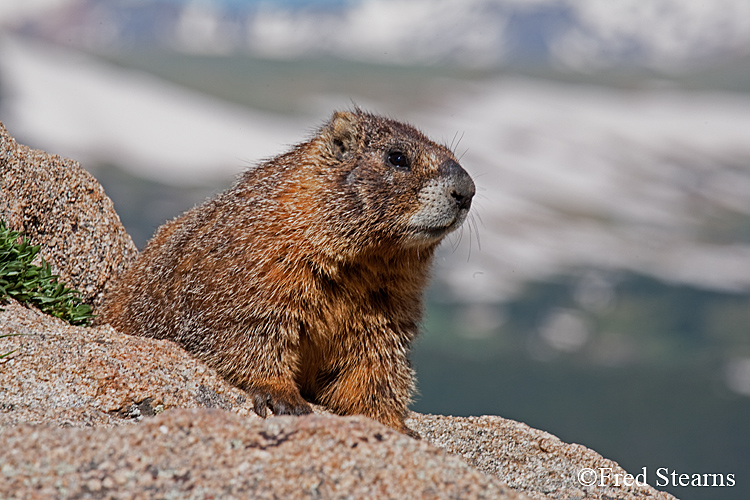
(77, 376)
(62, 207)
(217, 454)
(527, 459)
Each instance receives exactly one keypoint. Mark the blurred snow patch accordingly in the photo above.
(737, 375)
(565, 330)
(77, 106)
(12, 12)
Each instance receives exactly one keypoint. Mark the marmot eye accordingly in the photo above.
(398, 159)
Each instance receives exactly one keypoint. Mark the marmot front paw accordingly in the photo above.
(279, 401)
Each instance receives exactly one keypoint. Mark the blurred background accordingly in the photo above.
(600, 290)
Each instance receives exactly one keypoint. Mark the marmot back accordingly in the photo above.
(305, 279)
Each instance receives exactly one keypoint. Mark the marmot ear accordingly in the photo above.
(343, 134)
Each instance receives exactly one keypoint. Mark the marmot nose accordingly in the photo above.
(463, 188)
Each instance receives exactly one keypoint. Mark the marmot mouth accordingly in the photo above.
(437, 232)
(434, 232)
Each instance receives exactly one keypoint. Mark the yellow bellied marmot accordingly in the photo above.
(305, 279)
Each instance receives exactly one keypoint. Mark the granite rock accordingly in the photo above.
(75, 376)
(60, 206)
(60, 376)
(205, 441)
(201, 453)
(531, 460)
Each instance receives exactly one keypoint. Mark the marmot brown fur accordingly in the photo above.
(305, 279)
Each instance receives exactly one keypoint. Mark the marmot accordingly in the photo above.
(305, 279)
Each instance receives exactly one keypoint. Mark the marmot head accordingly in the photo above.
(395, 186)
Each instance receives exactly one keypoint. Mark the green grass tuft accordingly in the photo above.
(36, 285)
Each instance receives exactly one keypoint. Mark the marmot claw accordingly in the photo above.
(279, 404)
